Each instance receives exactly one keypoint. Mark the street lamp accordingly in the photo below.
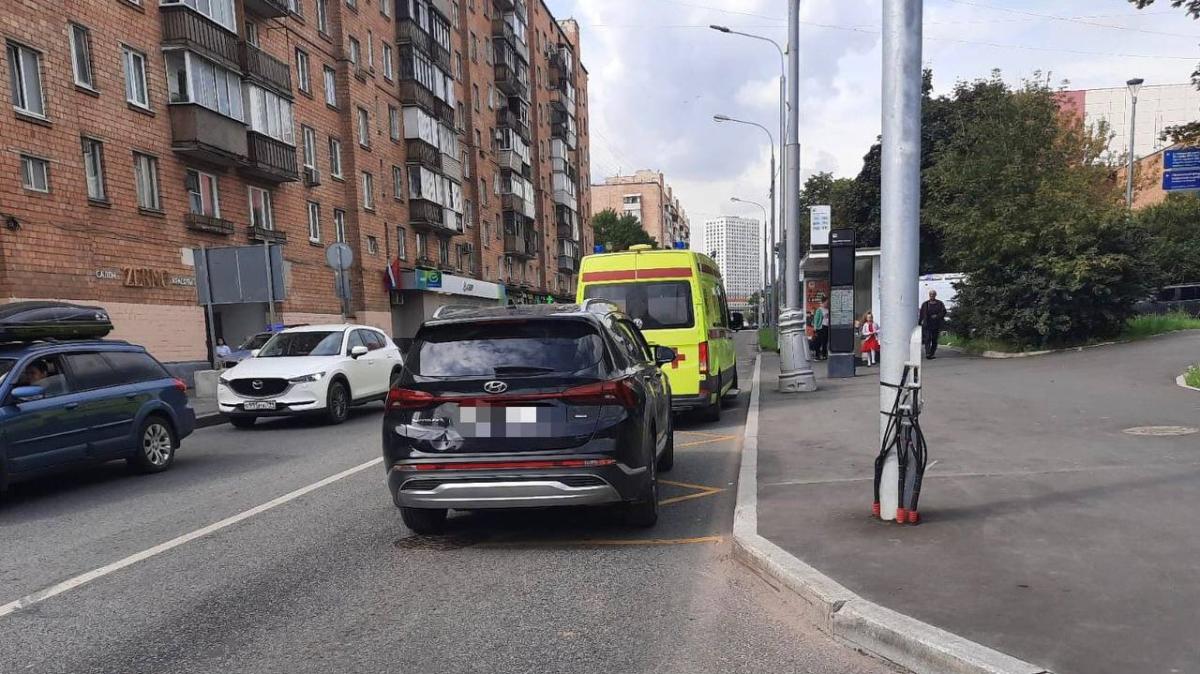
(766, 283)
(782, 135)
(1134, 85)
(768, 253)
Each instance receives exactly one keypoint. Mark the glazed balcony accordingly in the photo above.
(266, 70)
(182, 27)
(452, 168)
(512, 79)
(269, 159)
(520, 244)
(502, 30)
(420, 152)
(201, 134)
(409, 33)
(413, 93)
(507, 118)
(443, 7)
(429, 216)
(268, 9)
(511, 161)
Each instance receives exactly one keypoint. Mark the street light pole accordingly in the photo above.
(763, 297)
(795, 372)
(768, 253)
(1134, 85)
(773, 295)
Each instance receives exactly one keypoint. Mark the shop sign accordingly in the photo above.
(147, 277)
(436, 281)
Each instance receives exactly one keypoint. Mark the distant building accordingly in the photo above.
(734, 242)
(646, 196)
(1159, 106)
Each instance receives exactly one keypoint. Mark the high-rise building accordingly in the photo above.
(734, 244)
(428, 135)
(646, 196)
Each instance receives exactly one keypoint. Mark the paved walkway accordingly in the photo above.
(1048, 532)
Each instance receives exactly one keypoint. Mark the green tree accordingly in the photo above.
(755, 302)
(1173, 246)
(619, 232)
(822, 188)
(1033, 219)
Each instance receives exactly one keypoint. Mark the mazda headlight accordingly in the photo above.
(316, 376)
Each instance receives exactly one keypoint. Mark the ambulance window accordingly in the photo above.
(659, 305)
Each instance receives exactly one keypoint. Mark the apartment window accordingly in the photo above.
(194, 79)
(478, 139)
(389, 69)
(370, 50)
(135, 77)
(422, 245)
(469, 213)
(25, 77)
(295, 7)
(252, 33)
(271, 114)
(364, 128)
(145, 176)
(330, 87)
(93, 169)
(475, 96)
(314, 222)
(491, 97)
(309, 138)
(372, 245)
(454, 11)
(397, 182)
(339, 225)
(35, 173)
(368, 191)
(385, 7)
(444, 250)
(220, 11)
(352, 4)
(474, 49)
(322, 17)
(335, 158)
(203, 197)
(483, 192)
(401, 243)
(466, 163)
(81, 56)
(460, 117)
(394, 122)
(487, 231)
(487, 49)
(260, 209)
(458, 65)
(354, 50)
(302, 78)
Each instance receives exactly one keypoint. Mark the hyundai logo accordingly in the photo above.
(495, 386)
(256, 384)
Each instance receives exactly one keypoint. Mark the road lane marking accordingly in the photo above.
(72, 583)
(715, 438)
(701, 492)
(606, 541)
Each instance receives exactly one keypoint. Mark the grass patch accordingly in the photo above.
(1138, 327)
(768, 339)
(1192, 376)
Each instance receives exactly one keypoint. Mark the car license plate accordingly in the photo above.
(260, 404)
(512, 422)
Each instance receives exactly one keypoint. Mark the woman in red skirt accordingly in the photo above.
(870, 335)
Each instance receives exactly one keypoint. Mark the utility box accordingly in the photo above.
(842, 332)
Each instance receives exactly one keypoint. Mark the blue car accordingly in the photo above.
(72, 403)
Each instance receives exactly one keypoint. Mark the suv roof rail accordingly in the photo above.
(598, 302)
(447, 310)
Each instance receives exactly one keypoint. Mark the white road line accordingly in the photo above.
(72, 583)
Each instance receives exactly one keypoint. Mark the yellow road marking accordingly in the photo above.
(701, 492)
(704, 442)
(647, 541)
(688, 485)
(711, 435)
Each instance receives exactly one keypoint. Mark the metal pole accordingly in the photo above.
(768, 252)
(795, 373)
(1130, 169)
(208, 310)
(901, 210)
(774, 313)
(270, 283)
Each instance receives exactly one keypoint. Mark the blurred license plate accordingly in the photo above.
(260, 404)
(512, 422)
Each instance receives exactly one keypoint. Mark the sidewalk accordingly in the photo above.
(1047, 532)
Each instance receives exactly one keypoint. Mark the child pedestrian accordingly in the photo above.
(870, 335)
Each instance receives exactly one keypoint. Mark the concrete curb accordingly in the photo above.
(893, 636)
(1181, 382)
(1027, 354)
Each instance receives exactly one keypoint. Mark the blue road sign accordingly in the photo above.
(1182, 158)
(1181, 180)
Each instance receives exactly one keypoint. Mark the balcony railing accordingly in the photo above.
(512, 161)
(270, 159)
(568, 264)
(441, 56)
(267, 70)
(565, 133)
(421, 152)
(263, 234)
(413, 93)
(506, 117)
(200, 133)
(563, 99)
(512, 80)
(185, 28)
(512, 202)
(426, 214)
(207, 223)
(409, 33)
(521, 244)
(504, 5)
(267, 8)
(566, 198)
(501, 29)
(443, 8)
(452, 168)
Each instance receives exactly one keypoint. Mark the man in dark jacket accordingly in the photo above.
(933, 313)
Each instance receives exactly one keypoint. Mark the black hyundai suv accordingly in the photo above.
(528, 406)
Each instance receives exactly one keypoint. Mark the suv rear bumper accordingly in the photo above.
(478, 489)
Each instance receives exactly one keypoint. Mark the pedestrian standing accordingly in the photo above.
(821, 331)
(931, 317)
(870, 335)
(223, 352)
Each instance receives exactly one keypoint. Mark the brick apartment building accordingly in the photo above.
(425, 134)
(646, 196)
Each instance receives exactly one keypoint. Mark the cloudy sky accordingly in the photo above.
(658, 74)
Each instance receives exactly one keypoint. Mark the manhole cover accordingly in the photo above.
(446, 542)
(1161, 430)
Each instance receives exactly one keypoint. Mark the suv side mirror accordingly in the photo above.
(24, 394)
(663, 355)
(254, 353)
(358, 351)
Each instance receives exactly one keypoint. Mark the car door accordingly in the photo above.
(110, 405)
(49, 431)
(137, 380)
(655, 377)
(362, 383)
(644, 369)
(381, 362)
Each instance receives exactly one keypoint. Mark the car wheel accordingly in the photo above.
(712, 411)
(644, 512)
(337, 403)
(425, 521)
(243, 422)
(156, 444)
(667, 460)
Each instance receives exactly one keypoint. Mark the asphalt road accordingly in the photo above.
(331, 581)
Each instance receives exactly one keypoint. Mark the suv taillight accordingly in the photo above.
(408, 399)
(612, 392)
(703, 365)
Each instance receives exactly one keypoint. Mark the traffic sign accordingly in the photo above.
(1182, 158)
(1181, 180)
(339, 256)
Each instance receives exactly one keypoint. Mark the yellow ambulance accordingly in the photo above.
(677, 298)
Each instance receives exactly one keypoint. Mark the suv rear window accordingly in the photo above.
(503, 349)
(133, 367)
(664, 304)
